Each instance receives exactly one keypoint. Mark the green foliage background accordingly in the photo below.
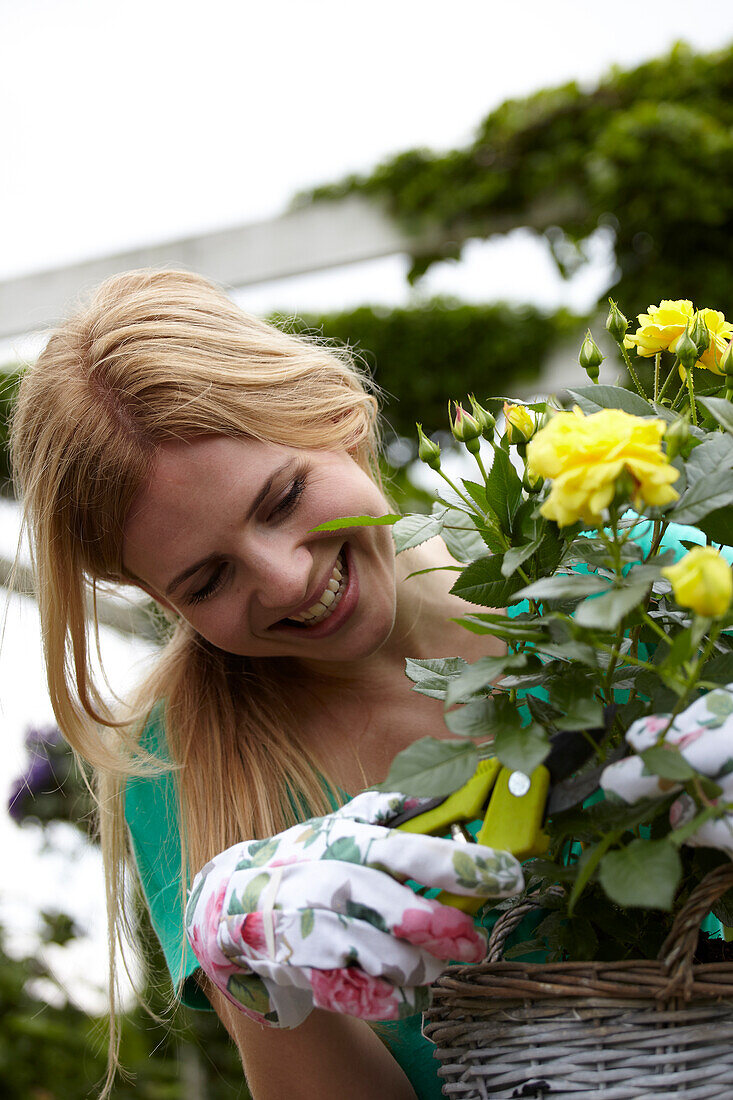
(648, 153)
(416, 355)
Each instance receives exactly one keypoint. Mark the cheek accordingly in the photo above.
(215, 625)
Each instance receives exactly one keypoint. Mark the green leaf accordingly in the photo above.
(251, 992)
(571, 693)
(503, 490)
(684, 645)
(667, 762)
(367, 914)
(259, 852)
(461, 537)
(593, 552)
(465, 868)
(585, 714)
(712, 456)
(251, 896)
(357, 521)
(482, 583)
(570, 688)
(481, 674)
(593, 398)
(522, 749)
(719, 668)
(564, 586)
(514, 628)
(476, 492)
(432, 675)
(590, 822)
(720, 409)
(717, 525)
(606, 612)
(550, 552)
(344, 849)
(473, 719)
(569, 651)
(709, 493)
(533, 678)
(306, 923)
(196, 894)
(413, 530)
(542, 713)
(430, 767)
(646, 873)
(517, 555)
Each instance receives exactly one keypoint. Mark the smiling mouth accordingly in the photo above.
(329, 599)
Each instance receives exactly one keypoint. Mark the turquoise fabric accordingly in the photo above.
(152, 817)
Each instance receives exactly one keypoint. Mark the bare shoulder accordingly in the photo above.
(327, 1058)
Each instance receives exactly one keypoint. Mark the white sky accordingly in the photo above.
(123, 123)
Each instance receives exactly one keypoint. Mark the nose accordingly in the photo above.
(281, 574)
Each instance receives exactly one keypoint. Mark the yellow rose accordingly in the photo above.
(660, 328)
(519, 423)
(720, 332)
(584, 456)
(702, 580)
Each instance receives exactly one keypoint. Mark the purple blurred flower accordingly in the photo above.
(39, 776)
(42, 737)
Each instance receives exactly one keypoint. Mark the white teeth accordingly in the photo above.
(329, 599)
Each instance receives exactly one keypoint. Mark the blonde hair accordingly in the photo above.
(154, 356)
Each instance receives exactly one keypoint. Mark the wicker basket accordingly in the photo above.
(589, 1031)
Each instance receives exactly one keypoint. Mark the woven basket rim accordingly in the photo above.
(672, 976)
(629, 979)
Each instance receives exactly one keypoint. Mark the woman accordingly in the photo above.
(167, 441)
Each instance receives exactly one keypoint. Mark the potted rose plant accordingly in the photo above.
(593, 540)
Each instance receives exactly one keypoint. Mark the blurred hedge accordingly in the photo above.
(422, 356)
(9, 378)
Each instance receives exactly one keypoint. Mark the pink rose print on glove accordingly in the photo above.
(203, 939)
(252, 932)
(355, 993)
(690, 738)
(445, 932)
(655, 723)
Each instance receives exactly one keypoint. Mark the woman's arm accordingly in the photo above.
(328, 1057)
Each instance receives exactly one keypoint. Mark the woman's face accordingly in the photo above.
(222, 535)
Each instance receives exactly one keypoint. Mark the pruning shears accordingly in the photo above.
(512, 806)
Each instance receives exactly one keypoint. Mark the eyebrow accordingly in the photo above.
(261, 496)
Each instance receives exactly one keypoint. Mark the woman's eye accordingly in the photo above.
(212, 585)
(291, 498)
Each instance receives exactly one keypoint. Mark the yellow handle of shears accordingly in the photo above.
(512, 805)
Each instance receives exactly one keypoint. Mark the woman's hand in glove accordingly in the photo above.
(318, 915)
(703, 735)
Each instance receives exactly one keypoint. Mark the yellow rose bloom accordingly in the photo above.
(702, 580)
(519, 423)
(720, 332)
(660, 328)
(584, 456)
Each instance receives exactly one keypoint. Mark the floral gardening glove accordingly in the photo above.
(703, 735)
(318, 917)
